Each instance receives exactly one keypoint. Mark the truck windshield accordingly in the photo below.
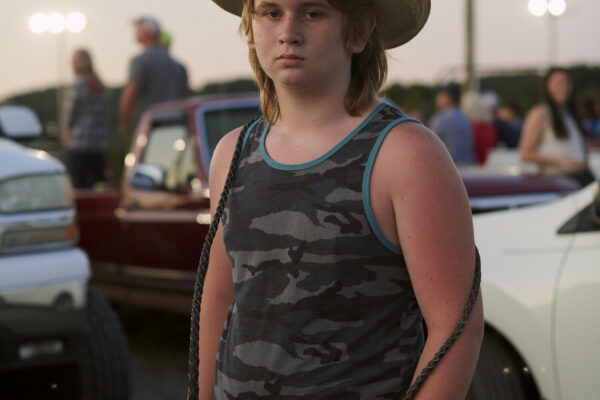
(169, 147)
(219, 122)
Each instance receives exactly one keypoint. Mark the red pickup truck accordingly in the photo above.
(144, 240)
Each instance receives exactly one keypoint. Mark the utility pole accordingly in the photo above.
(552, 39)
(471, 78)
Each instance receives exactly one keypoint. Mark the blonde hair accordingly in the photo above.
(369, 68)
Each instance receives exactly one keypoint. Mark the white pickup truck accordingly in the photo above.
(59, 338)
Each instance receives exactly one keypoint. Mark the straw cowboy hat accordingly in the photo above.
(398, 21)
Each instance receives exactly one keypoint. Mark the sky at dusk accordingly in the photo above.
(205, 39)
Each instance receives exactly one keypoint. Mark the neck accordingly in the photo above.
(305, 112)
(308, 114)
(148, 42)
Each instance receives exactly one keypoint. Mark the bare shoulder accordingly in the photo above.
(412, 154)
(221, 159)
(537, 113)
(226, 146)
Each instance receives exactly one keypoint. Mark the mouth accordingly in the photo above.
(287, 56)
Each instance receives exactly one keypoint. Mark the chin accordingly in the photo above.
(290, 78)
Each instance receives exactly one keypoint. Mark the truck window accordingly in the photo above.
(219, 122)
(169, 146)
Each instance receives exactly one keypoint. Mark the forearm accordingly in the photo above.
(541, 159)
(452, 376)
(565, 163)
(213, 312)
(126, 104)
(125, 108)
(65, 132)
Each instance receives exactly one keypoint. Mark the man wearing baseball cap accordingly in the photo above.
(452, 125)
(152, 74)
(346, 222)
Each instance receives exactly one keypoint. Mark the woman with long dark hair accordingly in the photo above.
(85, 130)
(553, 136)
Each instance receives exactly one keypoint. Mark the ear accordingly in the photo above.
(357, 44)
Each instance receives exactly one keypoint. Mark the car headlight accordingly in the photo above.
(35, 193)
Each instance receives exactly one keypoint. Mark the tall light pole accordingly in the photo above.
(471, 80)
(58, 24)
(553, 9)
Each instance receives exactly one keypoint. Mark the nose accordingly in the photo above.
(291, 30)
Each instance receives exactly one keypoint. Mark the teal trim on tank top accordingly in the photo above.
(250, 128)
(366, 194)
(295, 167)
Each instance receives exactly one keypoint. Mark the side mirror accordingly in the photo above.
(19, 122)
(148, 177)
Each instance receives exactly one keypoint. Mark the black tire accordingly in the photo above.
(105, 369)
(500, 375)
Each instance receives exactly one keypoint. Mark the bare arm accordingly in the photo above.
(218, 285)
(130, 92)
(65, 133)
(70, 110)
(533, 131)
(433, 225)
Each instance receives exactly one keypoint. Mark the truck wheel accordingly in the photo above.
(105, 371)
(499, 375)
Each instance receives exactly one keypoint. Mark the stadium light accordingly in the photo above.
(58, 24)
(554, 9)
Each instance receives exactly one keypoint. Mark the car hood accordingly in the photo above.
(18, 160)
(489, 182)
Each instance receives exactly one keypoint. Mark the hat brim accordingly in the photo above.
(398, 21)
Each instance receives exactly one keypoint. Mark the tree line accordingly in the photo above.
(521, 89)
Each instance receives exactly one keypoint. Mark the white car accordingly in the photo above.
(58, 337)
(509, 160)
(541, 295)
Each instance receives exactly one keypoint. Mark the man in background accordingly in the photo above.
(452, 126)
(153, 75)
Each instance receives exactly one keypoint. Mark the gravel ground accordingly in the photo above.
(158, 343)
(156, 379)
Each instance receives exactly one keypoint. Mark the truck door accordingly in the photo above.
(163, 225)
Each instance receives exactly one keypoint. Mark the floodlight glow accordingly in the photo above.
(38, 23)
(557, 7)
(75, 22)
(537, 7)
(56, 22)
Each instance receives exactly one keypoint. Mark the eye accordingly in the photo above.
(272, 14)
(312, 14)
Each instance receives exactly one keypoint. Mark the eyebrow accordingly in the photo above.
(267, 4)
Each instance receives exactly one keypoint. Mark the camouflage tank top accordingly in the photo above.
(323, 305)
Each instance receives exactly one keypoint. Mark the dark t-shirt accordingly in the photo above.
(157, 76)
(454, 129)
(183, 88)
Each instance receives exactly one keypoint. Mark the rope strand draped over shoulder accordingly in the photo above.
(194, 360)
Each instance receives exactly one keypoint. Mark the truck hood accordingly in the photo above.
(17, 160)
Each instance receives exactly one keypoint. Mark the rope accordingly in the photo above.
(414, 388)
(194, 360)
(203, 267)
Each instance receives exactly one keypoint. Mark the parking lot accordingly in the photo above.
(158, 343)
